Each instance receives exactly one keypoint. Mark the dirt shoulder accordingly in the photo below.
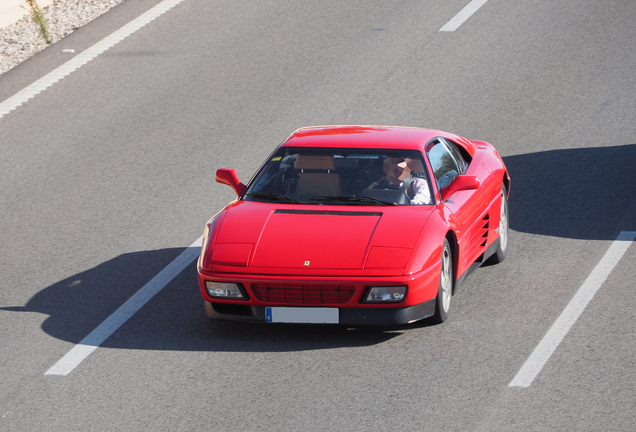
(22, 40)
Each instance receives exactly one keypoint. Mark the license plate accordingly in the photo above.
(301, 315)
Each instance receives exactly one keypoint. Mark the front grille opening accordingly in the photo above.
(304, 294)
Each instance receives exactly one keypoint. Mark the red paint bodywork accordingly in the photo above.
(252, 242)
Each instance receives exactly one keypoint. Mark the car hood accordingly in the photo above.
(258, 237)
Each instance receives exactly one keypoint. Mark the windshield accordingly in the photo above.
(342, 177)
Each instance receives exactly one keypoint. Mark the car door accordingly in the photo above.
(468, 208)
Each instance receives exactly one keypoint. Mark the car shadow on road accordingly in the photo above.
(174, 319)
(583, 193)
(587, 193)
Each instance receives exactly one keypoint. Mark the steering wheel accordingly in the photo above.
(387, 186)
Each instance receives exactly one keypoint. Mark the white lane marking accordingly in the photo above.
(463, 15)
(81, 59)
(572, 311)
(90, 343)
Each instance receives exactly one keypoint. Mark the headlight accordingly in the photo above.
(386, 294)
(224, 290)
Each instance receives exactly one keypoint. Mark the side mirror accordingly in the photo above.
(462, 182)
(229, 177)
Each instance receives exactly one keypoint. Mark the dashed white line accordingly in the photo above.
(463, 15)
(90, 343)
(572, 311)
(81, 59)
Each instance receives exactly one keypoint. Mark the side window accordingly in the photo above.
(452, 148)
(446, 162)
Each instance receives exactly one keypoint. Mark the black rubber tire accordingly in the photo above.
(445, 289)
(504, 223)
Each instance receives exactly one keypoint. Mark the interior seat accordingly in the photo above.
(316, 175)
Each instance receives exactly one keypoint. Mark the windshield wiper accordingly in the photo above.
(351, 198)
(273, 196)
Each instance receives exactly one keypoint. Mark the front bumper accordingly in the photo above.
(347, 316)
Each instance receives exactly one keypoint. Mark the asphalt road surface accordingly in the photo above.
(107, 176)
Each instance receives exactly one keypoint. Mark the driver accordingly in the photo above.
(408, 175)
(421, 193)
(395, 172)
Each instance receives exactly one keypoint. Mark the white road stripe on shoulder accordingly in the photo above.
(572, 311)
(463, 15)
(84, 57)
(79, 352)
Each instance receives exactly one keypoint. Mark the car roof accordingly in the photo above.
(384, 137)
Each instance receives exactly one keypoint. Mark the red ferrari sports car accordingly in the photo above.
(356, 225)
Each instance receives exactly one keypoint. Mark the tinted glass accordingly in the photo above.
(452, 147)
(445, 167)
